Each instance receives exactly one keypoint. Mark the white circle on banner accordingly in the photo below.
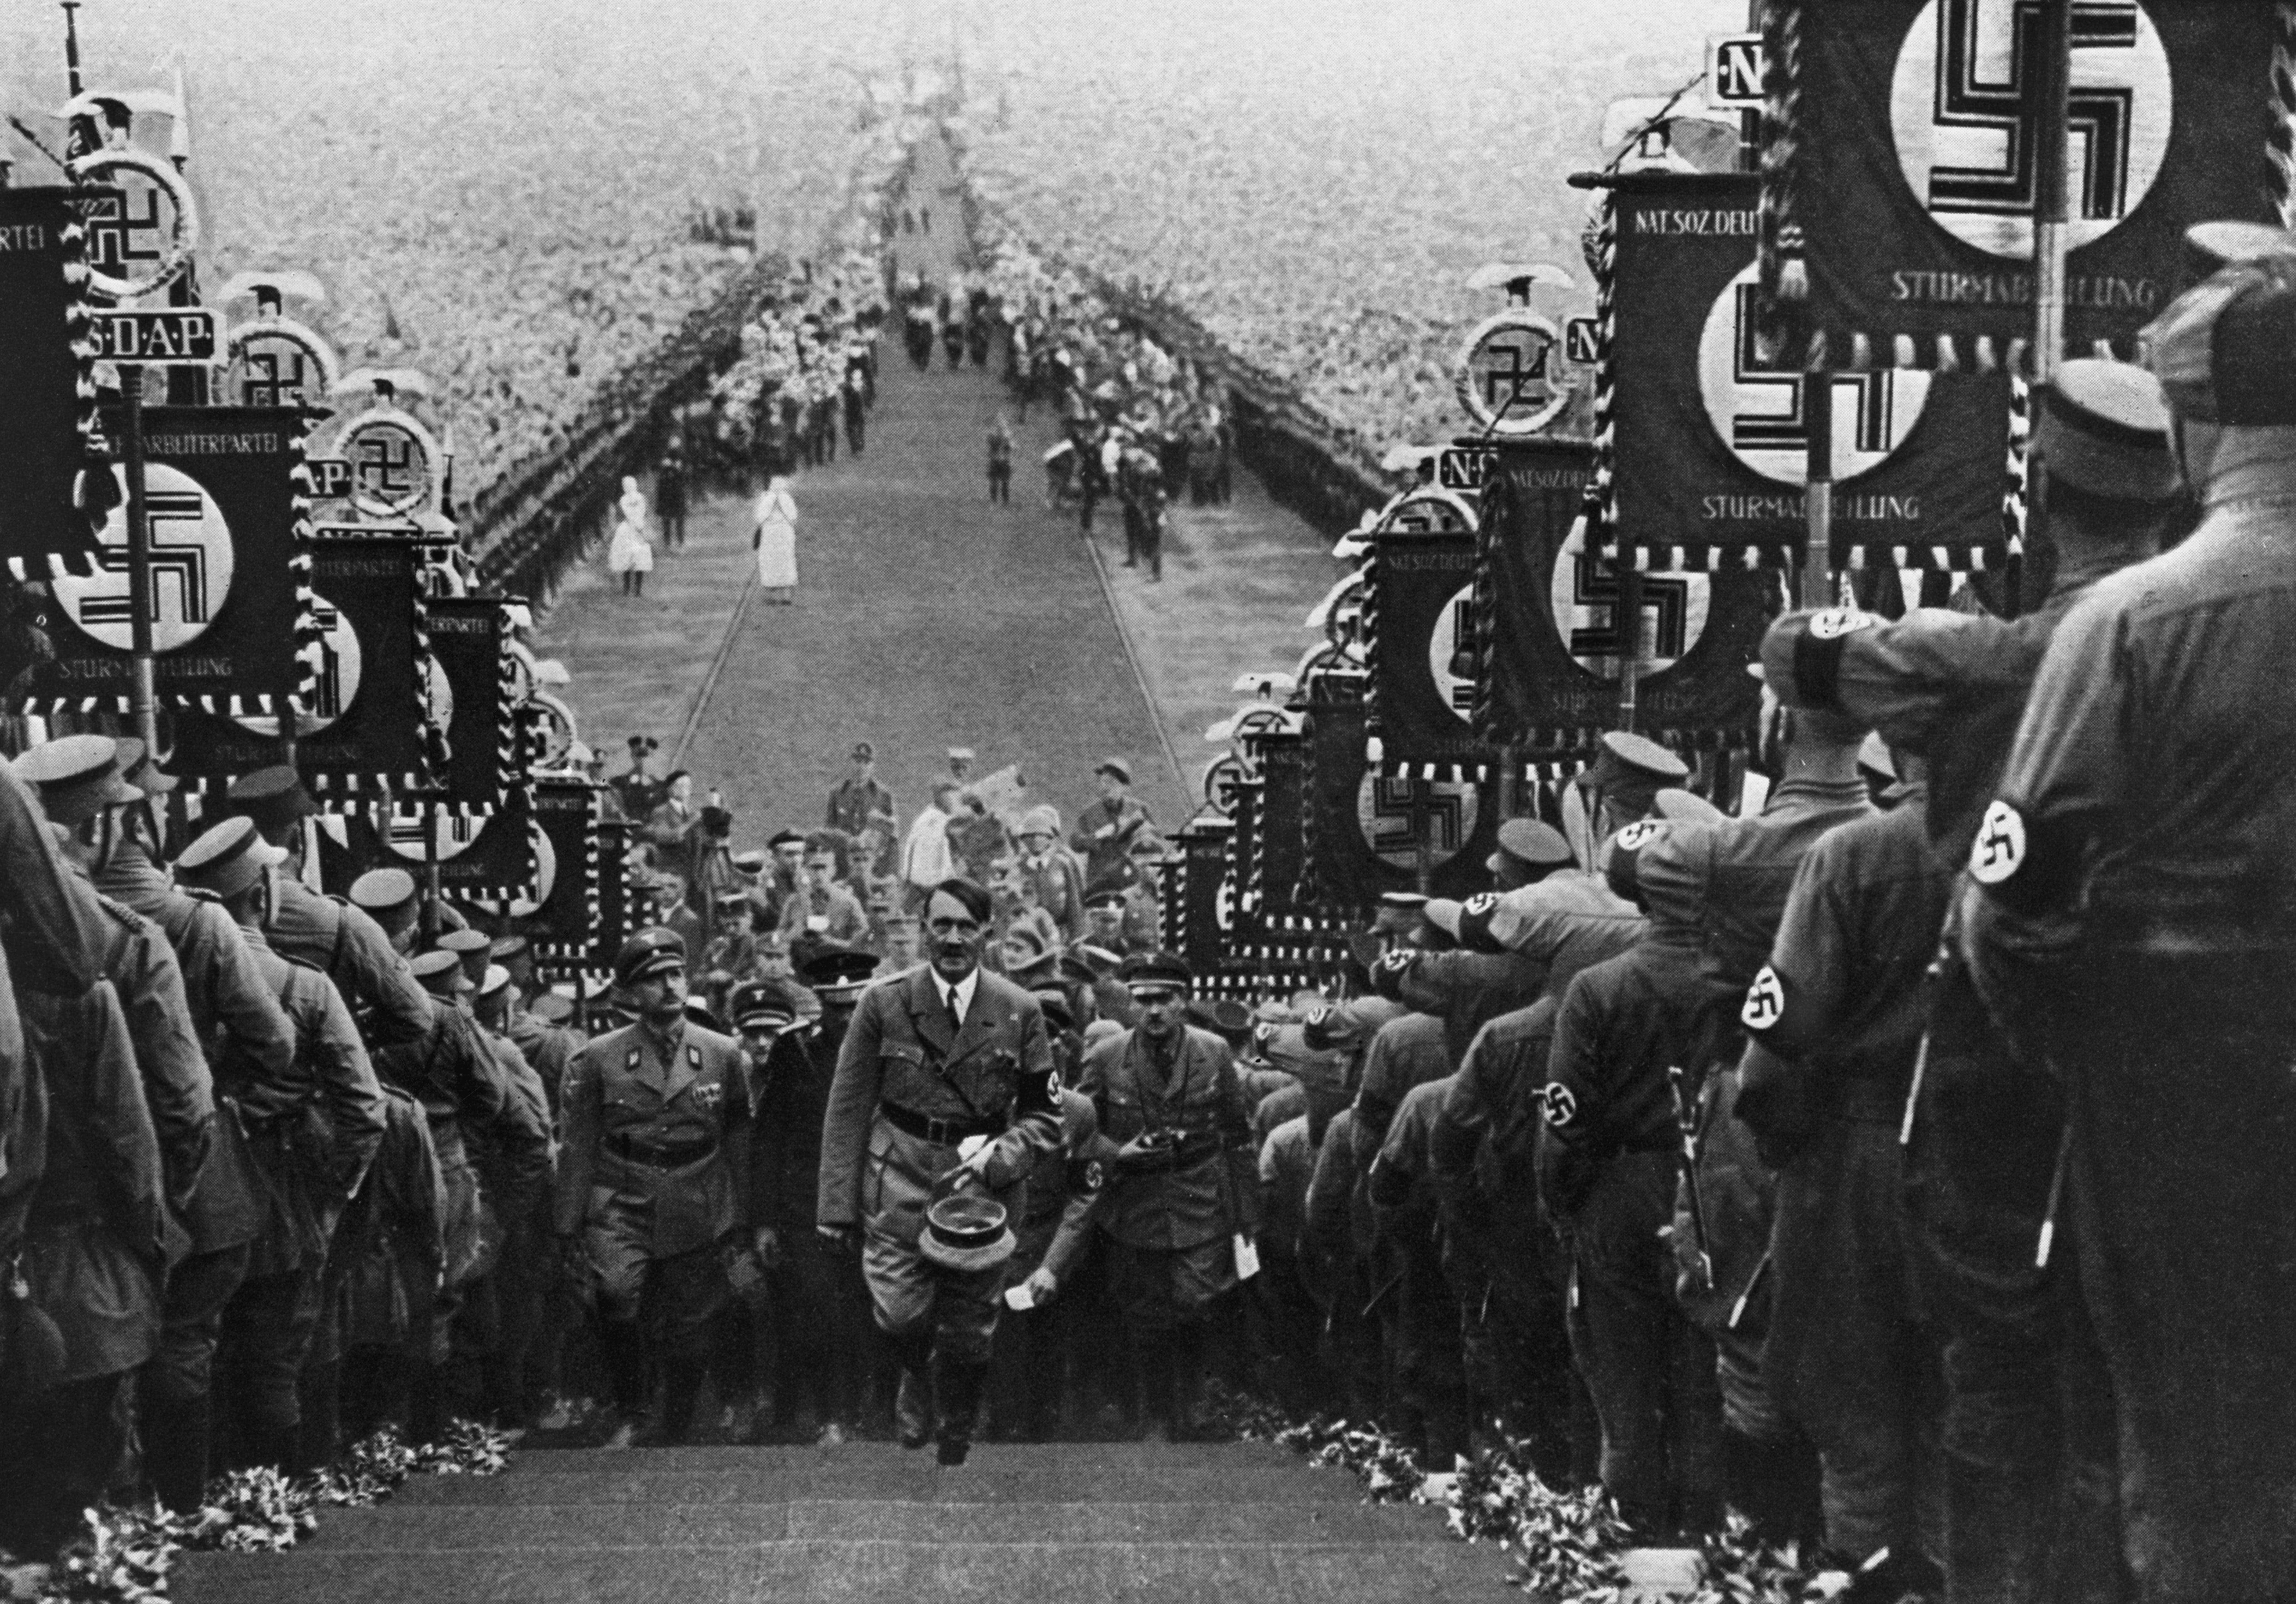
(1511, 378)
(1998, 851)
(337, 674)
(192, 565)
(1455, 623)
(546, 860)
(1383, 815)
(1958, 110)
(1584, 593)
(454, 833)
(439, 691)
(1756, 406)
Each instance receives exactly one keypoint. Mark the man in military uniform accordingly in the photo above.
(1834, 1022)
(2029, 1433)
(1467, 986)
(1055, 872)
(945, 1083)
(1184, 1198)
(653, 1179)
(858, 803)
(339, 940)
(83, 1213)
(250, 1056)
(1106, 828)
(639, 791)
(1606, 1166)
(2132, 920)
(312, 1154)
(1529, 851)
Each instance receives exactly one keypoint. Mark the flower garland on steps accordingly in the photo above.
(1568, 1548)
(125, 1556)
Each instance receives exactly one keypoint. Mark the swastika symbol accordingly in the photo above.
(1766, 1001)
(179, 568)
(1384, 812)
(1999, 850)
(1962, 116)
(386, 468)
(1871, 394)
(1525, 355)
(2097, 121)
(268, 383)
(112, 224)
(1558, 1104)
(1665, 608)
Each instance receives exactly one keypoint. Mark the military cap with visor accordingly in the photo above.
(755, 1005)
(648, 953)
(2103, 428)
(1532, 845)
(272, 797)
(2225, 351)
(1151, 972)
(383, 893)
(226, 859)
(77, 777)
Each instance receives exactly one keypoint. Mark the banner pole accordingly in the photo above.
(1421, 854)
(430, 871)
(143, 701)
(1630, 632)
(1817, 520)
(2052, 240)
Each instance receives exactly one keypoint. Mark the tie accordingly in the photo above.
(956, 1012)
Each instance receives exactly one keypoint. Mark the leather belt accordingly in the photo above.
(655, 1155)
(943, 1132)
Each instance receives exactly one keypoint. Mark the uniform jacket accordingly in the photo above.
(849, 921)
(857, 804)
(316, 1155)
(683, 1094)
(390, 1245)
(1059, 890)
(1208, 1187)
(1857, 939)
(1104, 857)
(1339, 1227)
(1287, 1163)
(1483, 1144)
(51, 942)
(93, 1243)
(789, 1093)
(1063, 1195)
(1566, 922)
(548, 1049)
(346, 944)
(247, 1042)
(177, 1090)
(2150, 791)
(1465, 990)
(901, 1050)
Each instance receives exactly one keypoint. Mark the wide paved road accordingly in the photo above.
(927, 617)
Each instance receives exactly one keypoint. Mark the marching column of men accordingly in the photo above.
(1907, 1173)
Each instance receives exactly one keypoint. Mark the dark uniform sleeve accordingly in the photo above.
(852, 1110)
(257, 1053)
(379, 976)
(2022, 914)
(1899, 676)
(1035, 1129)
(52, 941)
(1795, 1005)
(415, 1202)
(578, 1108)
(1239, 1153)
(1088, 1154)
(348, 1091)
(177, 1086)
(127, 1150)
(737, 1127)
(1571, 1149)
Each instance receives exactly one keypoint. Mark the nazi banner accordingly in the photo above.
(472, 700)
(230, 603)
(1709, 444)
(1552, 642)
(42, 419)
(1900, 167)
(1419, 613)
(1365, 827)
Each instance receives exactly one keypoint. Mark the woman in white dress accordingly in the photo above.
(775, 541)
(631, 554)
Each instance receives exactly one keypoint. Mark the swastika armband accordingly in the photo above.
(1559, 1104)
(2024, 864)
(1087, 1179)
(1639, 834)
(1766, 1002)
(1817, 655)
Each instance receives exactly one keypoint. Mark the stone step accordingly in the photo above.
(917, 1479)
(860, 1573)
(562, 1527)
(1000, 1456)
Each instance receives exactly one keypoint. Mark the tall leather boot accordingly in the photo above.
(681, 1389)
(622, 1349)
(913, 1406)
(957, 1399)
(1185, 1361)
(176, 1450)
